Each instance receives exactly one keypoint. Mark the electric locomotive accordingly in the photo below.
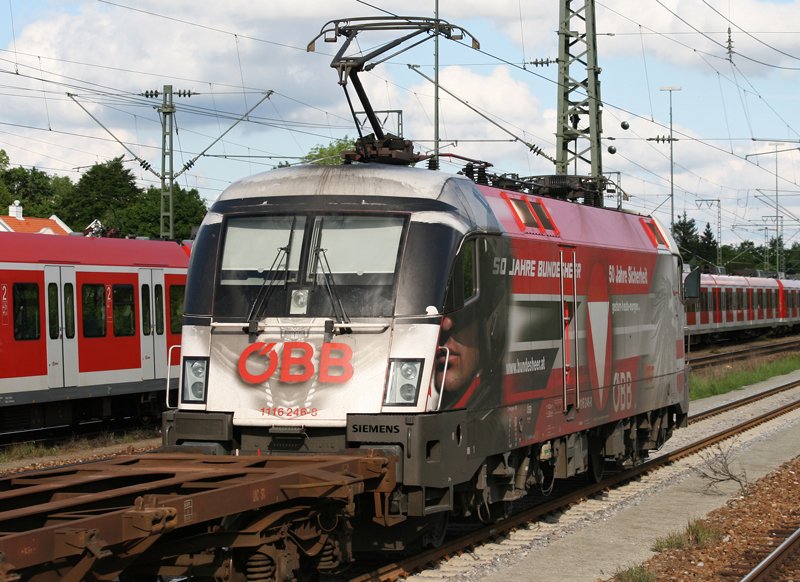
(490, 340)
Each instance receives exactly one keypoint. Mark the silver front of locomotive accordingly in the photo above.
(303, 310)
(311, 321)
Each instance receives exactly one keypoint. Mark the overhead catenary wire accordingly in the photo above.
(211, 113)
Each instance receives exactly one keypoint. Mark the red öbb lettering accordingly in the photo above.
(336, 356)
(296, 368)
(296, 362)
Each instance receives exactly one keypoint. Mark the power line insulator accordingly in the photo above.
(542, 62)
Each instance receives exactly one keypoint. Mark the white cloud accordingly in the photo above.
(106, 54)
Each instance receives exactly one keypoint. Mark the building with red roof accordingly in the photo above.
(15, 222)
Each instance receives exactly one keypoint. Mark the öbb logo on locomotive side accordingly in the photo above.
(296, 362)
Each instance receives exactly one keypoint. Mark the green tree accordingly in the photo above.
(143, 218)
(793, 259)
(102, 193)
(707, 246)
(685, 233)
(5, 194)
(744, 258)
(331, 154)
(33, 188)
(63, 189)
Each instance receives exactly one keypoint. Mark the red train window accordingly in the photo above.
(524, 211)
(123, 306)
(52, 310)
(69, 310)
(159, 291)
(147, 316)
(94, 310)
(26, 311)
(176, 295)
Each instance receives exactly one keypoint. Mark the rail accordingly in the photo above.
(738, 354)
(769, 567)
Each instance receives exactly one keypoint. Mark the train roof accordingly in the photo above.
(484, 208)
(79, 250)
(736, 281)
(343, 180)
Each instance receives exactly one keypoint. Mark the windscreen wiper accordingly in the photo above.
(330, 286)
(265, 291)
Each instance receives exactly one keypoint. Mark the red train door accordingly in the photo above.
(153, 329)
(569, 337)
(62, 337)
(782, 304)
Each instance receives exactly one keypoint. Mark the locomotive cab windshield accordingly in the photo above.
(338, 266)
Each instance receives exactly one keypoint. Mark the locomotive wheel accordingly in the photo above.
(596, 464)
(437, 530)
(597, 460)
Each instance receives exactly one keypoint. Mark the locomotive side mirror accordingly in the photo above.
(691, 284)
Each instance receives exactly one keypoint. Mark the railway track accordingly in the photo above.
(698, 362)
(782, 563)
(80, 516)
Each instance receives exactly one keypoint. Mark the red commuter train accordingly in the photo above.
(730, 306)
(87, 326)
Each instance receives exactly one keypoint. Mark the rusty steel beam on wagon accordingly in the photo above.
(83, 510)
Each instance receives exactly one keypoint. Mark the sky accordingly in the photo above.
(73, 75)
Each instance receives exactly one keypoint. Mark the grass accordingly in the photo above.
(634, 574)
(22, 451)
(696, 535)
(712, 381)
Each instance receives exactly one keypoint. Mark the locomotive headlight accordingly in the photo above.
(402, 384)
(409, 370)
(195, 380)
(299, 304)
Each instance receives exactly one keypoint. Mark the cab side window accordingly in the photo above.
(463, 280)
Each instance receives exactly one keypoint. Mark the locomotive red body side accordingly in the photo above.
(82, 321)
